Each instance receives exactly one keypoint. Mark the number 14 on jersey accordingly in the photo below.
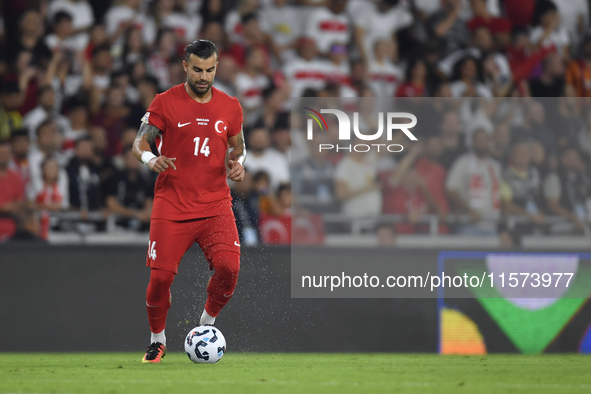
(204, 148)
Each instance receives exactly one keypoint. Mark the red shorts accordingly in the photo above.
(170, 240)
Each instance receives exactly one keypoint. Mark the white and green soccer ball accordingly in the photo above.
(205, 344)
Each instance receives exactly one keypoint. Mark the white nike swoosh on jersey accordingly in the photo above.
(151, 306)
(228, 296)
(236, 243)
(183, 124)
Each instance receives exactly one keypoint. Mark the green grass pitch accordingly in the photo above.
(294, 373)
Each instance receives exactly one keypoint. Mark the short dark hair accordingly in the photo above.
(61, 16)
(203, 49)
(43, 124)
(19, 133)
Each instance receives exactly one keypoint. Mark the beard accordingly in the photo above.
(199, 91)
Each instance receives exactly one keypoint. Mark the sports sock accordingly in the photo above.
(206, 318)
(160, 337)
(223, 282)
(158, 299)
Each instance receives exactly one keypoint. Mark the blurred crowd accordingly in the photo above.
(76, 76)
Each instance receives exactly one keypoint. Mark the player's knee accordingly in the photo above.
(227, 264)
(161, 278)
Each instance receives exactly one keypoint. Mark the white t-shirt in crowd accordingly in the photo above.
(328, 28)
(358, 175)
(273, 163)
(378, 25)
(250, 89)
(116, 15)
(186, 26)
(384, 78)
(75, 43)
(569, 11)
(282, 23)
(303, 74)
(558, 37)
(81, 12)
(339, 72)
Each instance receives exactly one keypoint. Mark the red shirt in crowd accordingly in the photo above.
(12, 189)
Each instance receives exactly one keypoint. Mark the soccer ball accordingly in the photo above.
(205, 344)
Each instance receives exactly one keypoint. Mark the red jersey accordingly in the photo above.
(197, 135)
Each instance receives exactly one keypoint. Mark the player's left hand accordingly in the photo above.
(236, 172)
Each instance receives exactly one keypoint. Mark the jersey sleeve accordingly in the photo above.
(236, 120)
(155, 114)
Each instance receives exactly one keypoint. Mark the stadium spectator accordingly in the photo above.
(338, 68)
(121, 17)
(415, 82)
(521, 189)
(129, 194)
(29, 38)
(45, 110)
(313, 180)
(77, 114)
(236, 19)
(383, 19)
(261, 157)
(499, 27)
(80, 10)
(52, 195)
(501, 143)
(281, 137)
(386, 236)
(551, 83)
(167, 15)
(328, 25)
(547, 29)
(453, 144)
(63, 37)
(384, 75)
(12, 193)
(162, 57)
(112, 117)
(105, 167)
(473, 187)
(225, 77)
(10, 118)
(357, 186)
(306, 71)
(47, 145)
(468, 80)
(282, 22)
(251, 83)
(84, 187)
(578, 73)
(62, 78)
(535, 127)
(567, 190)
(447, 28)
(20, 144)
(28, 229)
(133, 48)
(245, 206)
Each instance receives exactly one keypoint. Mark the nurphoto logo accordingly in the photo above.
(345, 129)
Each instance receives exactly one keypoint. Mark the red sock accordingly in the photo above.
(158, 298)
(223, 282)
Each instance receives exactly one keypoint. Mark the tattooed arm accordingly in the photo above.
(141, 149)
(236, 156)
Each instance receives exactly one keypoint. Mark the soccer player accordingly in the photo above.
(197, 130)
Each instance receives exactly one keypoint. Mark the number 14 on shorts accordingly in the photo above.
(152, 250)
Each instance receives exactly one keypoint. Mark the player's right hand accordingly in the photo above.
(161, 163)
